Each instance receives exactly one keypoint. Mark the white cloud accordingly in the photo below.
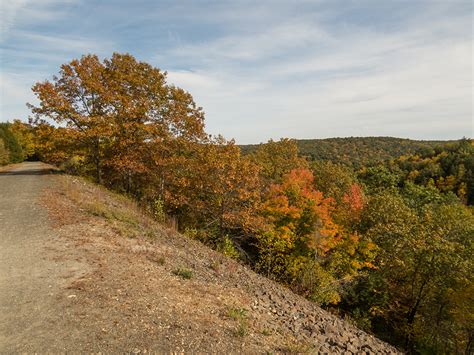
(14, 94)
(303, 80)
(254, 46)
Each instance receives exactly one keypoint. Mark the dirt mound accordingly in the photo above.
(151, 289)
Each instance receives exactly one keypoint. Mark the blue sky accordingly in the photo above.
(267, 69)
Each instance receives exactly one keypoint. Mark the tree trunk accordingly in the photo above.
(221, 221)
(97, 162)
(411, 316)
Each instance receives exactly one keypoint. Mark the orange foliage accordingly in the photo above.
(300, 212)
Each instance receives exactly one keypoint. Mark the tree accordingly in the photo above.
(4, 154)
(340, 183)
(225, 189)
(302, 245)
(448, 167)
(332, 179)
(24, 134)
(278, 158)
(58, 145)
(378, 178)
(121, 111)
(423, 259)
(11, 143)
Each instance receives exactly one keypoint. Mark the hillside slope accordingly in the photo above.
(149, 288)
(358, 151)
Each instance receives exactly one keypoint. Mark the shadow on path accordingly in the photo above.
(29, 172)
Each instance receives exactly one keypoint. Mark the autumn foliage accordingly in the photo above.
(389, 244)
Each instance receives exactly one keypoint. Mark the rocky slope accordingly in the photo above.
(150, 289)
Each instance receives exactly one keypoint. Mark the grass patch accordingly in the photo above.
(236, 313)
(241, 330)
(184, 273)
(240, 316)
(299, 348)
(110, 213)
(160, 260)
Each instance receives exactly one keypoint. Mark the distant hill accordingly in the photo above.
(358, 151)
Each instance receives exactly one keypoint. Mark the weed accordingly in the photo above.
(184, 273)
(125, 230)
(266, 332)
(239, 315)
(215, 265)
(299, 348)
(160, 260)
(236, 313)
(110, 213)
(241, 330)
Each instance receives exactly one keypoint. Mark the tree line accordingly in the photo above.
(16, 142)
(358, 152)
(382, 245)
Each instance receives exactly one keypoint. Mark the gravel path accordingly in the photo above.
(29, 277)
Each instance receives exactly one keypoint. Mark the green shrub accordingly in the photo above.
(226, 247)
(311, 278)
(4, 154)
(11, 143)
(159, 210)
(184, 273)
(74, 165)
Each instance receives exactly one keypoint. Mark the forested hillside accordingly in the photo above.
(368, 228)
(449, 168)
(358, 151)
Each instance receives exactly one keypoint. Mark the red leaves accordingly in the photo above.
(354, 198)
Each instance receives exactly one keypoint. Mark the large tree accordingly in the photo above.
(121, 111)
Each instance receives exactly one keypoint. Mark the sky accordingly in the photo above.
(266, 69)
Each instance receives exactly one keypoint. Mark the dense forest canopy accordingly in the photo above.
(374, 229)
(357, 152)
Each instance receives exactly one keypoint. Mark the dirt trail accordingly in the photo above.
(31, 276)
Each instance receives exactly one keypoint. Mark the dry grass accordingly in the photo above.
(134, 279)
(132, 300)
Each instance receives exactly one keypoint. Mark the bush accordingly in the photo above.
(312, 279)
(11, 143)
(184, 273)
(74, 165)
(159, 210)
(226, 247)
(4, 154)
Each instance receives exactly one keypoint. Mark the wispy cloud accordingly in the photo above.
(276, 68)
(15, 13)
(413, 81)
